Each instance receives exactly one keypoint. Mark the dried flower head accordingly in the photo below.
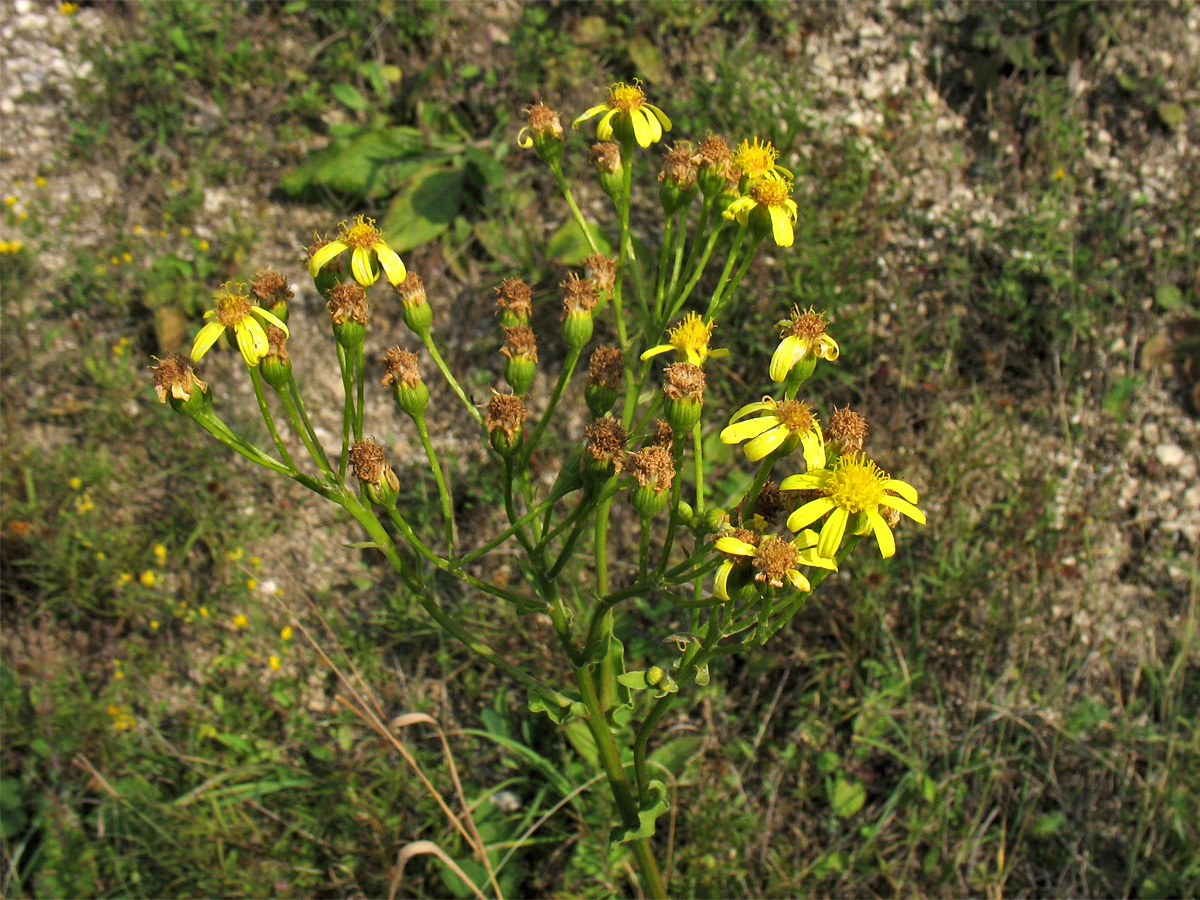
(579, 295)
(370, 465)
(505, 413)
(664, 435)
(602, 270)
(520, 342)
(684, 381)
(277, 343)
(175, 377)
(543, 124)
(411, 290)
(269, 287)
(515, 296)
(606, 157)
(847, 429)
(771, 504)
(681, 165)
(400, 367)
(606, 367)
(348, 301)
(604, 441)
(653, 467)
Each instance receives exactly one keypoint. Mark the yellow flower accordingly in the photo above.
(768, 209)
(40, 181)
(148, 578)
(252, 583)
(68, 9)
(367, 246)
(690, 340)
(275, 663)
(124, 578)
(204, 612)
(286, 632)
(10, 200)
(628, 110)
(240, 621)
(10, 247)
(202, 245)
(235, 554)
(756, 161)
(777, 560)
(803, 336)
(854, 489)
(75, 483)
(160, 553)
(154, 625)
(236, 310)
(783, 423)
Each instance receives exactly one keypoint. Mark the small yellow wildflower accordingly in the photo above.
(275, 663)
(236, 310)
(22, 215)
(101, 555)
(122, 718)
(75, 483)
(235, 554)
(124, 578)
(68, 9)
(367, 247)
(40, 181)
(84, 504)
(803, 335)
(1060, 173)
(777, 560)
(768, 209)
(10, 200)
(286, 632)
(204, 612)
(255, 561)
(757, 160)
(155, 625)
(252, 583)
(783, 423)
(854, 489)
(690, 340)
(240, 621)
(203, 246)
(114, 261)
(137, 229)
(148, 578)
(127, 257)
(627, 110)
(160, 553)
(10, 247)
(184, 231)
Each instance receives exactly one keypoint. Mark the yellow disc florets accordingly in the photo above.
(857, 483)
(626, 96)
(771, 192)
(233, 305)
(362, 233)
(754, 159)
(795, 416)
(692, 334)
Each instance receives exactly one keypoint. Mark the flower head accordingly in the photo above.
(854, 487)
(367, 247)
(803, 336)
(174, 378)
(782, 422)
(757, 160)
(235, 310)
(544, 132)
(690, 340)
(767, 209)
(628, 114)
(776, 560)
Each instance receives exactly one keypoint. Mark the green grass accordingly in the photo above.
(937, 726)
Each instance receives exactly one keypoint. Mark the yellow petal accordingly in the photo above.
(661, 116)
(786, 355)
(781, 227)
(363, 268)
(268, 316)
(393, 265)
(767, 442)
(604, 129)
(903, 488)
(798, 581)
(833, 531)
(655, 351)
(641, 128)
(827, 348)
(251, 340)
(721, 580)
(883, 534)
(736, 546)
(587, 114)
(898, 503)
(749, 408)
(809, 513)
(207, 336)
(750, 428)
(322, 257)
(525, 139)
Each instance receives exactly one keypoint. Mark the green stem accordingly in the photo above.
(443, 488)
(565, 187)
(705, 212)
(506, 534)
(664, 255)
(690, 284)
(724, 291)
(290, 395)
(564, 378)
(427, 339)
(698, 460)
(265, 411)
(359, 373)
(347, 409)
(734, 250)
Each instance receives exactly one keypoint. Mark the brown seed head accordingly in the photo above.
(771, 503)
(369, 463)
(795, 416)
(653, 466)
(579, 295)
(520, 341)
(233, 304)
(506, 413)
(715, 153)
(543, 121)
(175, 377)
(411, 290)
(604, 441)
(606, 368)
(602, 270)
(400, 366)
(680, 165)
(684, 381)
(270, 287)
(775, 558)
(663, 435)
(515, 296)
(606, 156)
(847, 428)
(809, 325)
(277, 342)
(348, 301)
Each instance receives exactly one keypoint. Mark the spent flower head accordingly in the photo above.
(846, 431)
(367, 247)
(854, 489)
(544, 132)
(628, 115)
(270, 287)
(176, 380)
(777, 561)
(236, 311)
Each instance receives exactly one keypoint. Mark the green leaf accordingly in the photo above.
(634, 680)
(846, 797)
(568, 245)
(656, 804)
(1048, 824)
(674, 754)
(1168, 297)
(558, 714)
(348, 95)
(551, 771)
(1171, 114)
(424, 208)
(647, 58)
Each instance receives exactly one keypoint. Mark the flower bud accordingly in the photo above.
(373, 472)
(504, 419)
(579, 301)
(418, 315)
(402, 374)
(606, 371)
(347, 307)
(520, 346)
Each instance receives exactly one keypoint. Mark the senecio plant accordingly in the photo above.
(737, 576)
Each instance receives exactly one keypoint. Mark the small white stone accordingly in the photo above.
(1170, 455)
